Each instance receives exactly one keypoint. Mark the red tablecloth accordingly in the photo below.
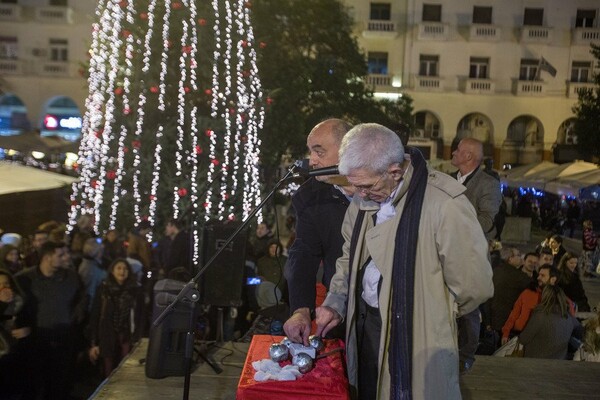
(327, 380)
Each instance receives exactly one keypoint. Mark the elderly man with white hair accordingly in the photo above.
(414, 258)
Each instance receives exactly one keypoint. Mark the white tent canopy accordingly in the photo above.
(519, 176)
(540, 178)
(570, 185)
(18, 178)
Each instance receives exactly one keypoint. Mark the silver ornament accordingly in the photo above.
(278, 352)
(303, 362)
(316, 342)
(286, 341)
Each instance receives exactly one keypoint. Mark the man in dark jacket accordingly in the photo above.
(179, 247)
(320, 206)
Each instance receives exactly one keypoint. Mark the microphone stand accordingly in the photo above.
(191, 294)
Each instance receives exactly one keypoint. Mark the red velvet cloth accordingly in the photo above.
(327, 380)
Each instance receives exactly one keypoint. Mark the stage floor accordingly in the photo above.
(490, 378)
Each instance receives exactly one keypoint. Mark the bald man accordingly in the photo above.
(483, 191)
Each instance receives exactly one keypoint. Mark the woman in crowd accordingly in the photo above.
(10, 259)
(590, 349)
(568, 280)
(116, 316)
(550, 327)
(589, 243)
(557, 248)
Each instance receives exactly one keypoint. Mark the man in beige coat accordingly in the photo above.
(412, 261)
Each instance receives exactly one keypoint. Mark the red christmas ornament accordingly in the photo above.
(94, 183)
(111, 175)
(269, 100)
(245, 74)
(202, 22)
(205, 205)
(208, 132)
(215, 162)
(231, 111)
(208, 92)
(154, 89)
(186, 49)
(244, 43)
(144, 15)
(186, 89)
(125, 33)
(198, 149)
(73, 202)
(248, 4)
(136, 144)
(125, 149)
(123, 4)
(126, 110)
(231, 218)
(262, 45)
(182, 192)
(152, 197)
(225, 196)
(119, 91)
(176, 6)
(98, 133)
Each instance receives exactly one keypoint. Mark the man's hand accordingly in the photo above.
(94, 353)
(297, 327)
(326, 318)
(504, 341)
(20, 333)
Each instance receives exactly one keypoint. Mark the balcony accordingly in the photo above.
(428, 83)
(479, 86)
(433, 31)
(529, 88)
(573, 88)
(585, 36)
(380, 29)
(10, 67)
(536, 34)
(54, 15)
(54, 68)
(378, 80)
(484, 32)
(10, 12)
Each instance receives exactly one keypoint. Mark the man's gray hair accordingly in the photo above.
(370, 146)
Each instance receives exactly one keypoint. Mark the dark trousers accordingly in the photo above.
(468, 337)
(368, 330)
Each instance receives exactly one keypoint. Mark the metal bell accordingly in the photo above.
(286, 341)
(316, 342)
(279, 352)
(303, 362)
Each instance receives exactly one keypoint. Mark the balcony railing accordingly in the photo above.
(380, 29)
(12, 67)
(573, 88)
(536, 34)
(530, 88)
(10, 12)
(54, 68)
(584, 36)
(484, 32)
(54, 15)
(433, 31)
(375, 80)
(428, 83)
(479, 86)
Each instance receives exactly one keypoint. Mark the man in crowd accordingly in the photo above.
(55, 304)
(320, 205)
(179, 247)
(483, 191)
(404, 272)
(531, 265)
(259, 243)
(546, 256)
(33, 258)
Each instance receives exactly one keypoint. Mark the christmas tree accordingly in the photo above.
(172, 116)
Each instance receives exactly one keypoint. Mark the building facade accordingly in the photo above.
(506, 73)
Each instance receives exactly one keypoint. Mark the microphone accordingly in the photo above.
(302, 168)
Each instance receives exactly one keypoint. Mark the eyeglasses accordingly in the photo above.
(368, 188)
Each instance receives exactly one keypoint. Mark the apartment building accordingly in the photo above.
(506, 73)
(43, 44)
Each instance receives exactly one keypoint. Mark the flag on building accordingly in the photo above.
(546, 66)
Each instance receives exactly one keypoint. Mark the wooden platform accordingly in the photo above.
(491, 378)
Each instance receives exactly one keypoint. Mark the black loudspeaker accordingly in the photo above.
(166, 344)
(221, 283)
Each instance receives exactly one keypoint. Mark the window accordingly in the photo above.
(478, 67)
(428, 65)
(8, 47)
(380, 11)
(378, 63)
(482, 15)
(59, 50)
(581, 71)
(529, 69)
(585, 18)
(533, 17)
(62, 3)
(432, 13)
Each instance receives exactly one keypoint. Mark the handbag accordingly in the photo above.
(517, 351)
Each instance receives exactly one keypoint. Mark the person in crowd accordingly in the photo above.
(500, 219)
(509, 282)
(272, 289)
(320, 205)
(14, 239)
(115, 319)
(10, 259)
(531, 265)
(589, 243)
(394, 287)
(138, 246)
(113, 247)
(557, 248)
(83, 230)
(90, 269)
(32, 259)
(550, 327)
(590, 348)
(572, 215)
(11, 367)
(546, 256)
(55, 304)
(488, 168)
(483, 191)
(179, 247)
(568, 280)
(528, 300)
(544, 244)
(259, 243)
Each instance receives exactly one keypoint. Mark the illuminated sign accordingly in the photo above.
(52, 122)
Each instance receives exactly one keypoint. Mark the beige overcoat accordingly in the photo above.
(452, 277)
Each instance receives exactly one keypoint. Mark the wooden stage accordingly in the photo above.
(490, 378)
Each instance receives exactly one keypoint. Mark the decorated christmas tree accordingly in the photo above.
(172, 116)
